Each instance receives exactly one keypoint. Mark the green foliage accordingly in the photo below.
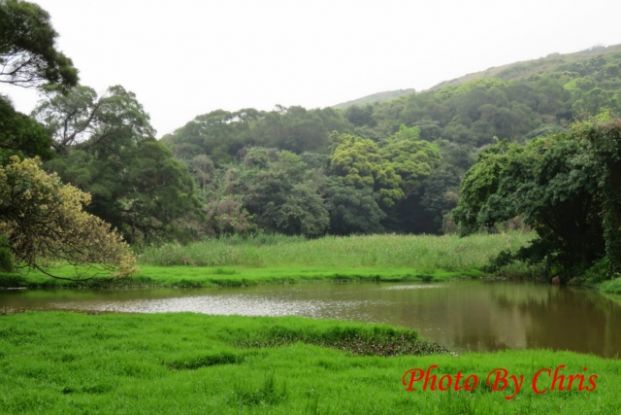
(393, 169)
(21, 135)
(360, 116)
(605, 143)
(612, 286)
(222, 135)
(277, 189)
(515, 101)
(352, 209)
(42, 217)
(227, 216)
(366, 101)
(70, 117)
(107, 148)
(410, 152)
(377, 340)
(563, 185)
(598, 272)
(28, 55)
(411, 158)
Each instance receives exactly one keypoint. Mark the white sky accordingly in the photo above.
(188, 57)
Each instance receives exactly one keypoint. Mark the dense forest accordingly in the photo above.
(415, 148)
(385, 165)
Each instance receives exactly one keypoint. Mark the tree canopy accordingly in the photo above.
(562, 185)
(410, 152)
(44, 218)
(106, 147)
(28, 55)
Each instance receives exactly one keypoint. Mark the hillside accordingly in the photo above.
(525, 69)
(513, 71)
(515, 101)
(394, 165)
(374, 98)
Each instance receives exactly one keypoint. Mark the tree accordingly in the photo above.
(410, 157)
(202, 168)
(111, 122)
(392, 170)
(352, 209)
(28, 56)
(359, 162)
(70, 117)
(107, 148)
(563, 186)
(21, 135)
(280, 193)
(227, 215)
(360, 116)
(42, 217)
(605, 145)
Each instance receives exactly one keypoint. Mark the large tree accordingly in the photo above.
(393, 170)
(352, 209)
(28, 55)
(44, 218)
(107, 147)
(280, 192)
(565, 186)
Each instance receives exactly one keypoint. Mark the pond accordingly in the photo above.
(461, 316)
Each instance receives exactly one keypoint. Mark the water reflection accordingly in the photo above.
(461, 316)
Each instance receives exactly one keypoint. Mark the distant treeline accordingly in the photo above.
(391, 166)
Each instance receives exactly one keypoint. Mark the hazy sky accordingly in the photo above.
(183, 57)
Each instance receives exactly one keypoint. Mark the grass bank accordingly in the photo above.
(70, 363)
(611, 288)
(236, 261)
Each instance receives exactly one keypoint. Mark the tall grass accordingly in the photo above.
(423, 252)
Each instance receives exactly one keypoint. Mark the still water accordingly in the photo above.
(461, 315)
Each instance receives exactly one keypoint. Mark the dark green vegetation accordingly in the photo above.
(21, 135)
(565, 186)
(553, 63)
(106, 146)
(457, 119)
(28, 57)
(149, 364)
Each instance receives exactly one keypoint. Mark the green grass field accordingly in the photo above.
(236, 261)
(81, 363)
(72, 363)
